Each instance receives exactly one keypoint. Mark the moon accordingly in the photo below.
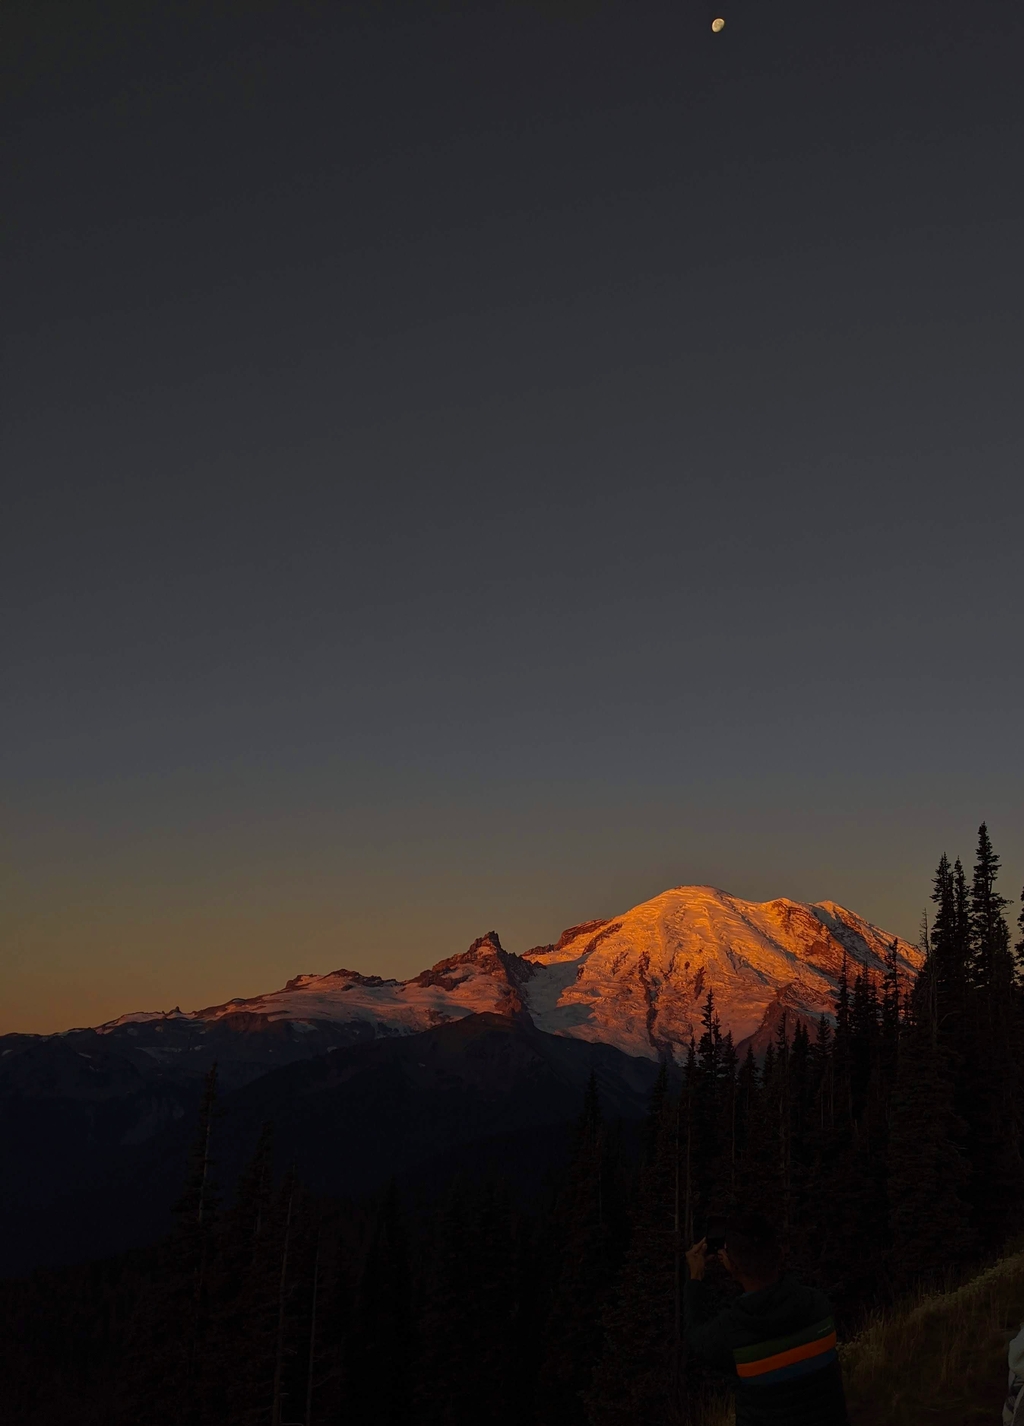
(718, 25)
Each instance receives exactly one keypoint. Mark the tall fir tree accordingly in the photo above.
(842, 1051)
(166, 1355)
(889, 1024)
(949, 947)
(927, 1169)
(988, 929)
(380, 1375)
(588, 1222)
(236, 1341)
(992, 1062)
(637, 1376)
(961, 919)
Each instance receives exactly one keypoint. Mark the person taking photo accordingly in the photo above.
(776, 1339)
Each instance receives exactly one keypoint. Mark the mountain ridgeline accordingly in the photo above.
(485, 1218)
(636, 981)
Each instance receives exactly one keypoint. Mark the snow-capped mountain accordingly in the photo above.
(640, 980)
(637, 981)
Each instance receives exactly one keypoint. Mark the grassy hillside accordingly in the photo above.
(940, 1359)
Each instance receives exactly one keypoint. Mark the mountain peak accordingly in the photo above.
(639, 980)
(486, 956)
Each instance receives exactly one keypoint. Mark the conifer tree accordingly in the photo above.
(311, 1356)
(234, 1337)
(731, 1128)
(654, 1121)
(844, 1204)
(280, 1337)
(890, 1018)
(746, 1093)
(962, 919)
(988, 929)
(636, 1375)
(686, 1136)
(992, 1070)
(468, 1296)
(165, 1357)
(753, 1151)
(927, 1168)
(337, 1331)
(444, 1366)
(842, 1052)
(801, 1125)
(863, 1041)
(709, 1108)
(380, 1363)
(779, 1101)
(822, 1067)
(950, 949)
(587, 1224)
(198, 1216)
(943, 928)
(924, 937)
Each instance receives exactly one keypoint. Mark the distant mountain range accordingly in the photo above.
(637, 981)
(483, 1055)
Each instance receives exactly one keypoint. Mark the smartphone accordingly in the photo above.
(715, 1234)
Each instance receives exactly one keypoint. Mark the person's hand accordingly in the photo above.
(696, 1259)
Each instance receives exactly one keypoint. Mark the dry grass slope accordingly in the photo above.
(940, 1359)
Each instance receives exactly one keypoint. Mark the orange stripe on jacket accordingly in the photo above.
(785, 1359)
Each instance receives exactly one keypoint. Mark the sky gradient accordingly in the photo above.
(472, 467)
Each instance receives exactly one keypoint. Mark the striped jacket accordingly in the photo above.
(779, 1344)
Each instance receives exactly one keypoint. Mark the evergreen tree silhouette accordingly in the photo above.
(928, 1171)
(197, 1211)
(948, 949)
(731, 1128)
(802, 1137)
(842, 1052)
(752, 1152)
(654, 1121)
(635, 1377)
(822, 1066)
(992, 1063)
(962, 918)
(469, 1296)
(379, 1380)
(889, 1024)
(588, 1224)
(864, 1028)
(709, 1110)
(988, 929)
(165, 1359)
(231, 1340)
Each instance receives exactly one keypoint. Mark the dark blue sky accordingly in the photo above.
(475, 466)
